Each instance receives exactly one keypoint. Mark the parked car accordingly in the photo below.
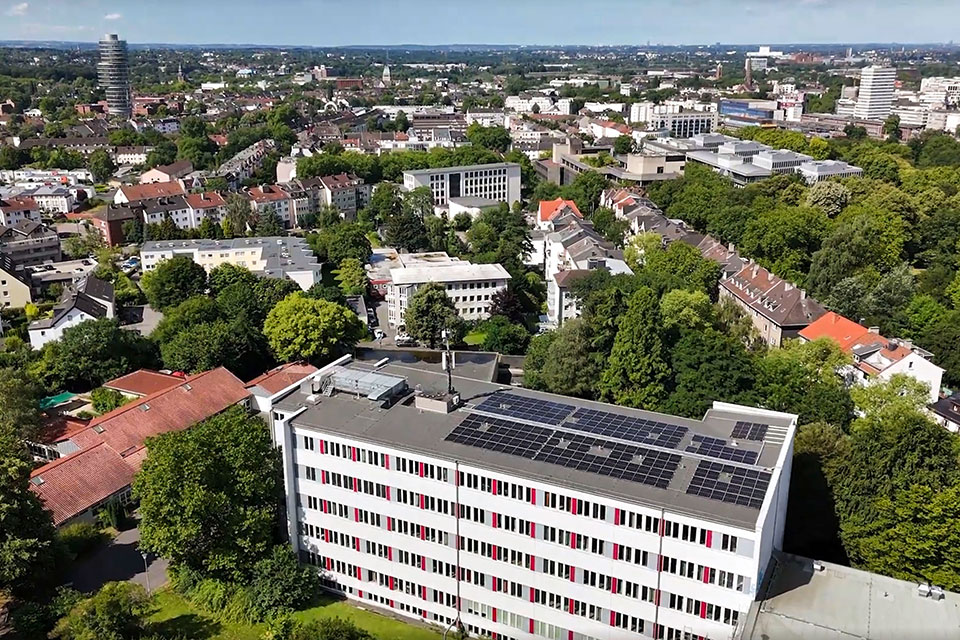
(404, 341)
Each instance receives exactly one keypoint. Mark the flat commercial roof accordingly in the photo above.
(841, 603)
(470, 167)
(402, 426)
(449, 272)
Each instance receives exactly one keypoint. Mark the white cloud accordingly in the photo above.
(18, 9)
(113, 16)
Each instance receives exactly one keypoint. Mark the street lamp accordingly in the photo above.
(146, 568)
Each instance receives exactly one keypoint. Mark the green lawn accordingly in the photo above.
(175, 617)
(475, 337)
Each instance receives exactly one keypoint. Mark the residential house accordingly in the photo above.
(874, 356)
(16, 209)
(131, 156)
(30, 243)
(271, 198)
(15, 284)
(91, 299)
(155, 210)
(208, 204)
(54, 199)
(167, 173)
(556, 214)
(946, 411)
(346, 192)
(100, 461)
(777, 308)
(131, 193)
(562, 305)
(108, 221)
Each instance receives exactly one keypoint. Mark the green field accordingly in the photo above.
(175, 618)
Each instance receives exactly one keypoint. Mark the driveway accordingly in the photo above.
(119, 561)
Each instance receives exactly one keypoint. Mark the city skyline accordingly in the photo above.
(609, 22)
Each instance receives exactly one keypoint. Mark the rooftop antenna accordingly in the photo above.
(449, 360)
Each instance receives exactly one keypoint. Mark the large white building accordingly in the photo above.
(674, 117)
(527, 515)
(875, 98)
(286, 257)
(470, 286)
(499, 182)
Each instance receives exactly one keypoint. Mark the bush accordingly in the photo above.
(106, 400)
(211, 595)
(281, 584)
(80, 537)
(241, 607)
(112, 514)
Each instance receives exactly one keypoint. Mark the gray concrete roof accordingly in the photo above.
(472, 167)
(841, 603)
(405, 427)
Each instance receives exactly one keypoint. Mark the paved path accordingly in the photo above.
(119, 560)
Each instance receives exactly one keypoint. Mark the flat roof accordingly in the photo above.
(448, 272)
(402, 426)
(470, 167)
(280, 254)
(842, 603)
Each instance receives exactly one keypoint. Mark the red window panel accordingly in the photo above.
(531, 625)
(389, 523)
(656, 597)
(493, 486)
(613, 585)
(616, 550)
(356, 543)
(573, 574)
(355, 484)
(326, 535)
(423, 532)
(494, 613)
(421, 469)
(531, 594)
(571, 605)
(573, 505)
(353, 452)
(533, 529)
(423, 594)
(710, 538)
(703, 609)
(392, 605)
(533, 563)
(323, 446)
(356, 514)
(706, 575)
(388, 494)
(386, 461)
(323, 477)
(573, 541)
(359, 594)
(424, 611)
(493, 551)
(390, 554)
(423, 563)
(616, 518)
(422, 501)
(570, 635)
(493, 520)
(359, 577)
(533, 500)
(391, 583)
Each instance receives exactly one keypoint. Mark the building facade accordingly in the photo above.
(875, 98)
(500, 182)
(459, 519)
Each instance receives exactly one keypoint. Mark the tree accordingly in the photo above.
(300, 328)
(224, 275)
(280, 583)
(348, 240)
(269, 225)
(418, 202)
(237, 345)
(406, 231)
(891, 126)
(900, 393)
(190, 312)
(623, 145)
(637, 372)
(506, 303)
(101, 165)
(106, 400)
(19, 402)
(561, 361)
(26, 529)
(708, 366)
(682, 309)
(942, 338)
(173, 281)
(493, 138)
(91, 353)
(385, 203)
(830, 197)
(429, 313)
(352, 277)
(504, 336)
(210, 496)
(116, 612)
(237, 214)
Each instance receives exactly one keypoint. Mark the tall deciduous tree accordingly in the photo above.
(299, 328)
(429, 313)
(637, 372)
(352, 277)
(709, 366)
(561, 362)
(19, 402)
(210, 497)
(173, 281)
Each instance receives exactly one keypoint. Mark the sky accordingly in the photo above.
(586, 22)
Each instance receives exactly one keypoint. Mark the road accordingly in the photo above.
(119, 560)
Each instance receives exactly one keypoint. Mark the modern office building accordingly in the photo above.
(113, 73)
(500, 182)
(527, 515)
(875, 98)
(286, 257)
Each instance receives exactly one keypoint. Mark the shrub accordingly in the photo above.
(80, 537)
(211, 595)
(112, 515)
(106, 400)
(281, 584)
(241, 607)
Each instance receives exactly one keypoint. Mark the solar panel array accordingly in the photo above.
(749, 431)
(624, 427)
(513, 405)
(500, 435)
(717, 448)
(733, 485)
(614, 459)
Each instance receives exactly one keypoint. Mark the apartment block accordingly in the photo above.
(500, 182)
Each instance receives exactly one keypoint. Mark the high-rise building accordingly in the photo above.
(875, 99)
(114, 74)
(386, 75)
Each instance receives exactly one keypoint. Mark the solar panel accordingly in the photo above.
(717, 448)
(608, 458)
(749, 431)
(624, 427)
(513, 405)
(726, 483)
(500, 435)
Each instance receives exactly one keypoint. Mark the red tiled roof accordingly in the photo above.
(18, 203)
(207, 200)
(832, 325)
(282, 377)
(60, 428)
(267, 193)
(71, 485)
(549, 209)
(144, 382)
(112, 446)
(135, 192)
(338, 181)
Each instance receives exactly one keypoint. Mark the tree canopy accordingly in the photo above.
(302, 328)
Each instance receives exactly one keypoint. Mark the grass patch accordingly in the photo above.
(475, 337)
(175, 617)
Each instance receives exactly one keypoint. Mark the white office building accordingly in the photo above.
(499, 182)
(527, 515)
(875, 98)
(470, 286)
